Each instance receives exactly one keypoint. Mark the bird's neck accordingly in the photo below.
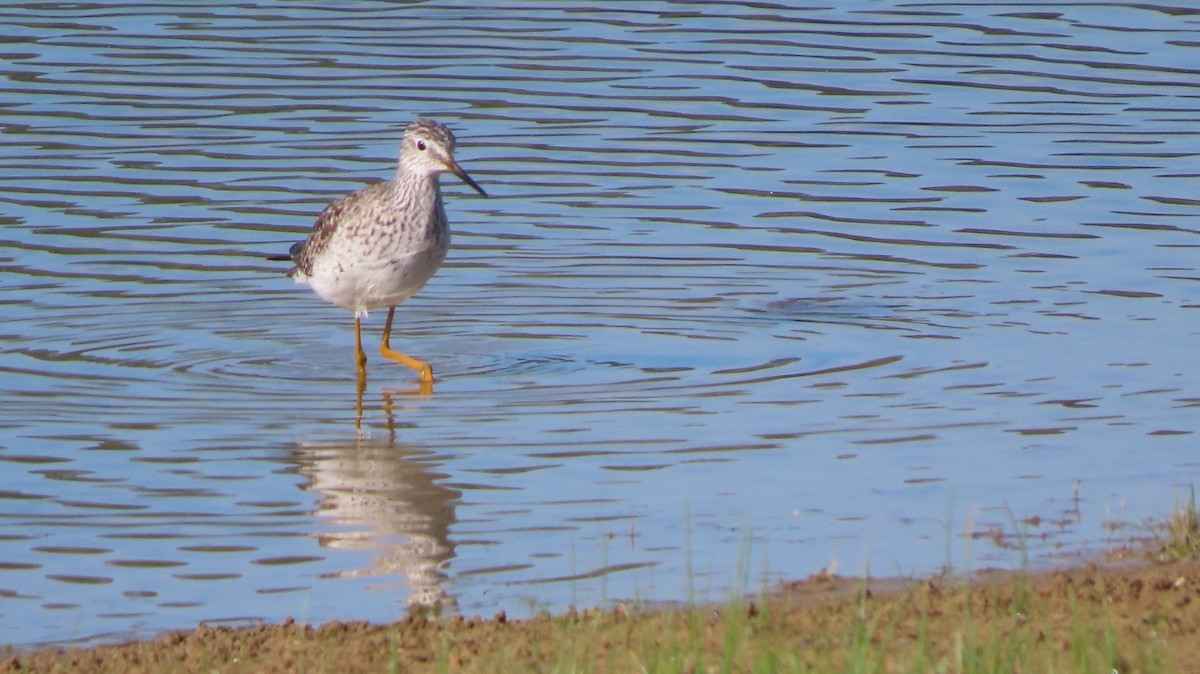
(417, 191)
(417, 182)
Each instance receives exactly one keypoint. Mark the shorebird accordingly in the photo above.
(377, 247)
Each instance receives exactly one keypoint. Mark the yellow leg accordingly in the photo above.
(420, 366)
(359, 356)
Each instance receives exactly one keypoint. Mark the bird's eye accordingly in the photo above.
(421, 145)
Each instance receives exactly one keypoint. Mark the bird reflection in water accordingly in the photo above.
(420, 389)
(385, 497)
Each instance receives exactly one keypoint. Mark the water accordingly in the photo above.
(759, 291)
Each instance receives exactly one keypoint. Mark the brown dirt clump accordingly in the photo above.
(1088, 619)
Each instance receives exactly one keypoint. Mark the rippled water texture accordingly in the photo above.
(758, 291)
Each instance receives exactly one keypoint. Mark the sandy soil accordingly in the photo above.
(1128, 611)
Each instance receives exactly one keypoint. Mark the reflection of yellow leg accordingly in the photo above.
(359, 355)
(362, 386)
(391, 418)
(420, 366)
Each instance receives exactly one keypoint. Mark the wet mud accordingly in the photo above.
(1128, 612)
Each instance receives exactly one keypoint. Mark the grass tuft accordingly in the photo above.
(1180, 533)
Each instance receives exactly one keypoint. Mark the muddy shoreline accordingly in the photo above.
(1131, 611)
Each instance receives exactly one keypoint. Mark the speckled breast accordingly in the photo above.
(382, 269)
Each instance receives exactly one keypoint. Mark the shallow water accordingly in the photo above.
(759, 291)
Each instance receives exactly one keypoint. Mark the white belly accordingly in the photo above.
(363, 281)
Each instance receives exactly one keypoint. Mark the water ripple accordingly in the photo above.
(829, 277)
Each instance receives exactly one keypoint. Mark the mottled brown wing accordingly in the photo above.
(304, 252)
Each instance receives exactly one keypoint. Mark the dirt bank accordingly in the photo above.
(1087, 619)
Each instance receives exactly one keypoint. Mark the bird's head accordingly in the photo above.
(428, 148)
